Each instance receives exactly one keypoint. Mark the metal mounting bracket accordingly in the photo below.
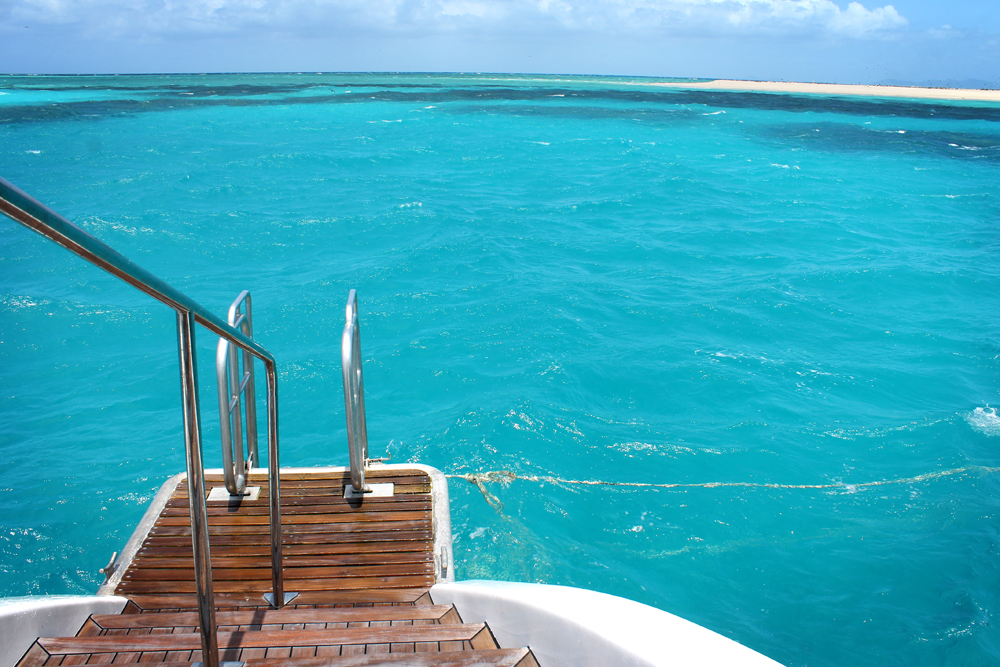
(288, 597)
(375, 491)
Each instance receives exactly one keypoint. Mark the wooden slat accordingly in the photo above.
(264, 586)
(317, 497)
(323, 478)
(401, 485)
(249, 562)
(264, 638)
(314, 538)
(401, 491)
(256, 573)
(275, 616)
(293, 550)
(297, 529)
(313, 475)
(406, 596)
(178, 507)
(295, 518)
(506, 657)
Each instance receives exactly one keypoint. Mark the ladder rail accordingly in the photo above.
(244, 322)
(232, 385)
(354, 395)
(28, 211)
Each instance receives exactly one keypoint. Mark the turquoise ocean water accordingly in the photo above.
(785, 306)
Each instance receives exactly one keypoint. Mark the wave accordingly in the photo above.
(985, 420)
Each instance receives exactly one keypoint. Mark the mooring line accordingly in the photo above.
(505, 477)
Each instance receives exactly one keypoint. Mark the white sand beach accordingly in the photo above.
(841, 89)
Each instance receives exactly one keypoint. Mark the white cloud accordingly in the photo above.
(479, 10)
(98, 18)
(756, 16)
(857, 20)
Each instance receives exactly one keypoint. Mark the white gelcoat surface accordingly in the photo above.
(23, 620)
(566, 626)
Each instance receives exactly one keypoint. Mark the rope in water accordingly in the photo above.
(505, 477)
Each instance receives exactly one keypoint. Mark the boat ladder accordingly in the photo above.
(364, 562)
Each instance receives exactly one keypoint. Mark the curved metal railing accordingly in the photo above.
(232, 384)
(354, 395)
(31, 213)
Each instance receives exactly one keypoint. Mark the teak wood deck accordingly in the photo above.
(362, 569)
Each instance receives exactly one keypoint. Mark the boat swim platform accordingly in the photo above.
(362, 569)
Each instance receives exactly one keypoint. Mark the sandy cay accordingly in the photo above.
(840, 89)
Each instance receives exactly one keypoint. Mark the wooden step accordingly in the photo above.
(292, 550)
(264, 539)
(501, 657)
(353, 525)
(413, 567)
(426, 613)
(242, 562)
(361, 569)
(475, 636)
(228, 600)
(261, 586)
(247, 518)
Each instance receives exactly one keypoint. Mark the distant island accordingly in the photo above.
(966, 94)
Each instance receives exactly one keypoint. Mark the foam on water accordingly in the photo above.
(985, 420)
(717, 352)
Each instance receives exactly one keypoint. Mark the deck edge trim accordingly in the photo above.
(135, 542)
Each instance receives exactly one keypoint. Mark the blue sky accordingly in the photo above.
(917, 41)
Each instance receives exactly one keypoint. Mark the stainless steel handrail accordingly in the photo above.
(231, 386)
(31, 213)
(196, 489)
(354, 395)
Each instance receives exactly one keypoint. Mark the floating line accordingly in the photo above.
(505, 477)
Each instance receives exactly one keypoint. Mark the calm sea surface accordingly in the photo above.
(775, 315)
